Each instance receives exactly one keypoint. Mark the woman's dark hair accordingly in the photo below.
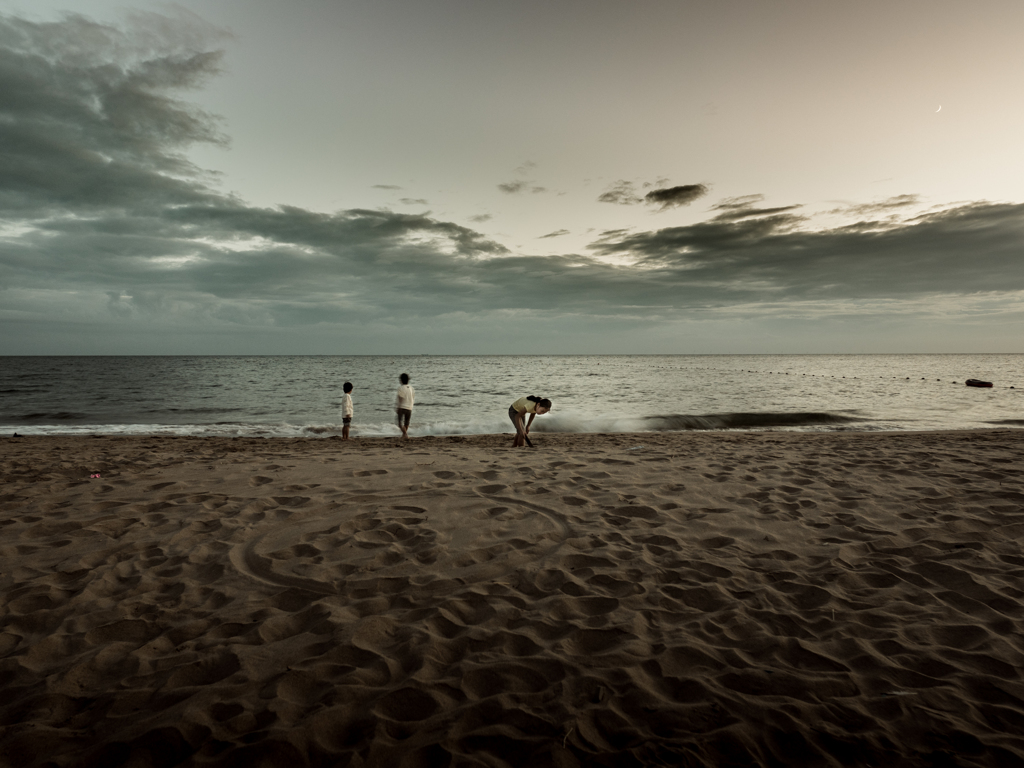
(347, 386)
(404, 378)
(543, 402)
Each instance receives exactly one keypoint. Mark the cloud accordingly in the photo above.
(624, 192)
(413, 201)
(106, 228)
(515, 187)
(620, 193)
(522, 185)
(557, 233)
(735, 208)
(737, 203)
(94, 126)
(769, 254)
(673, 197)
(892, 206)
(386, 186)
(481, 218)
(95, 181)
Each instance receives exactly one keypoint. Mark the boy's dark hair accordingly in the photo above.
(404, 378)
(347, 386)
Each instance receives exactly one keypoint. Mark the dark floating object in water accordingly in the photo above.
(978, 383)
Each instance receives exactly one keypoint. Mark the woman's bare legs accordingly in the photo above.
(519, 441)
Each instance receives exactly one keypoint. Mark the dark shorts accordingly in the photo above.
(347, 420)
(512, 413)
(403, 414)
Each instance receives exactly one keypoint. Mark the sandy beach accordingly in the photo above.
(691, 599)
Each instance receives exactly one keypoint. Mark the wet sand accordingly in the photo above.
(686, 599)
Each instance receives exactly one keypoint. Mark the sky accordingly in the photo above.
(524, 177)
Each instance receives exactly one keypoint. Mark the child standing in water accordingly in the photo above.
(346, 409)
(403, 404)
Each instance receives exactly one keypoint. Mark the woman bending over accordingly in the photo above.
(535, 406)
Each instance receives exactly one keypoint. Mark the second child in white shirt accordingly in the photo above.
(403, 404)
(346, 409)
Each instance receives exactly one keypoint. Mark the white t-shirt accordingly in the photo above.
(405, 397)
(346, 406)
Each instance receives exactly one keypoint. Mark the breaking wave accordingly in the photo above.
(679, 422)
(563, 422)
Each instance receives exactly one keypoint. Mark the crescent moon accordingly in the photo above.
(939, 109)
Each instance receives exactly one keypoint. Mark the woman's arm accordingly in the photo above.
(528, 423)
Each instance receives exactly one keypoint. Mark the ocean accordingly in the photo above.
(281, 396)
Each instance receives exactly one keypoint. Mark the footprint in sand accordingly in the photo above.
(290, 501)
(493, 512)
(407, 705)
(369, 472)
(647, 513)
(717, 542)
(103, 506)
(257, 480)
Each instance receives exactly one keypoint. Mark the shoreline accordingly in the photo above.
(716, 598)
(1010, 427)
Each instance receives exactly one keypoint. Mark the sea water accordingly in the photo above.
(464, 395)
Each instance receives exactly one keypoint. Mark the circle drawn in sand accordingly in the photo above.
(466, 538)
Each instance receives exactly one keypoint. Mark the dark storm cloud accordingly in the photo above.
(92, 172)
(971, 248)
(672, 197)
(100, 205)
(96, 125)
